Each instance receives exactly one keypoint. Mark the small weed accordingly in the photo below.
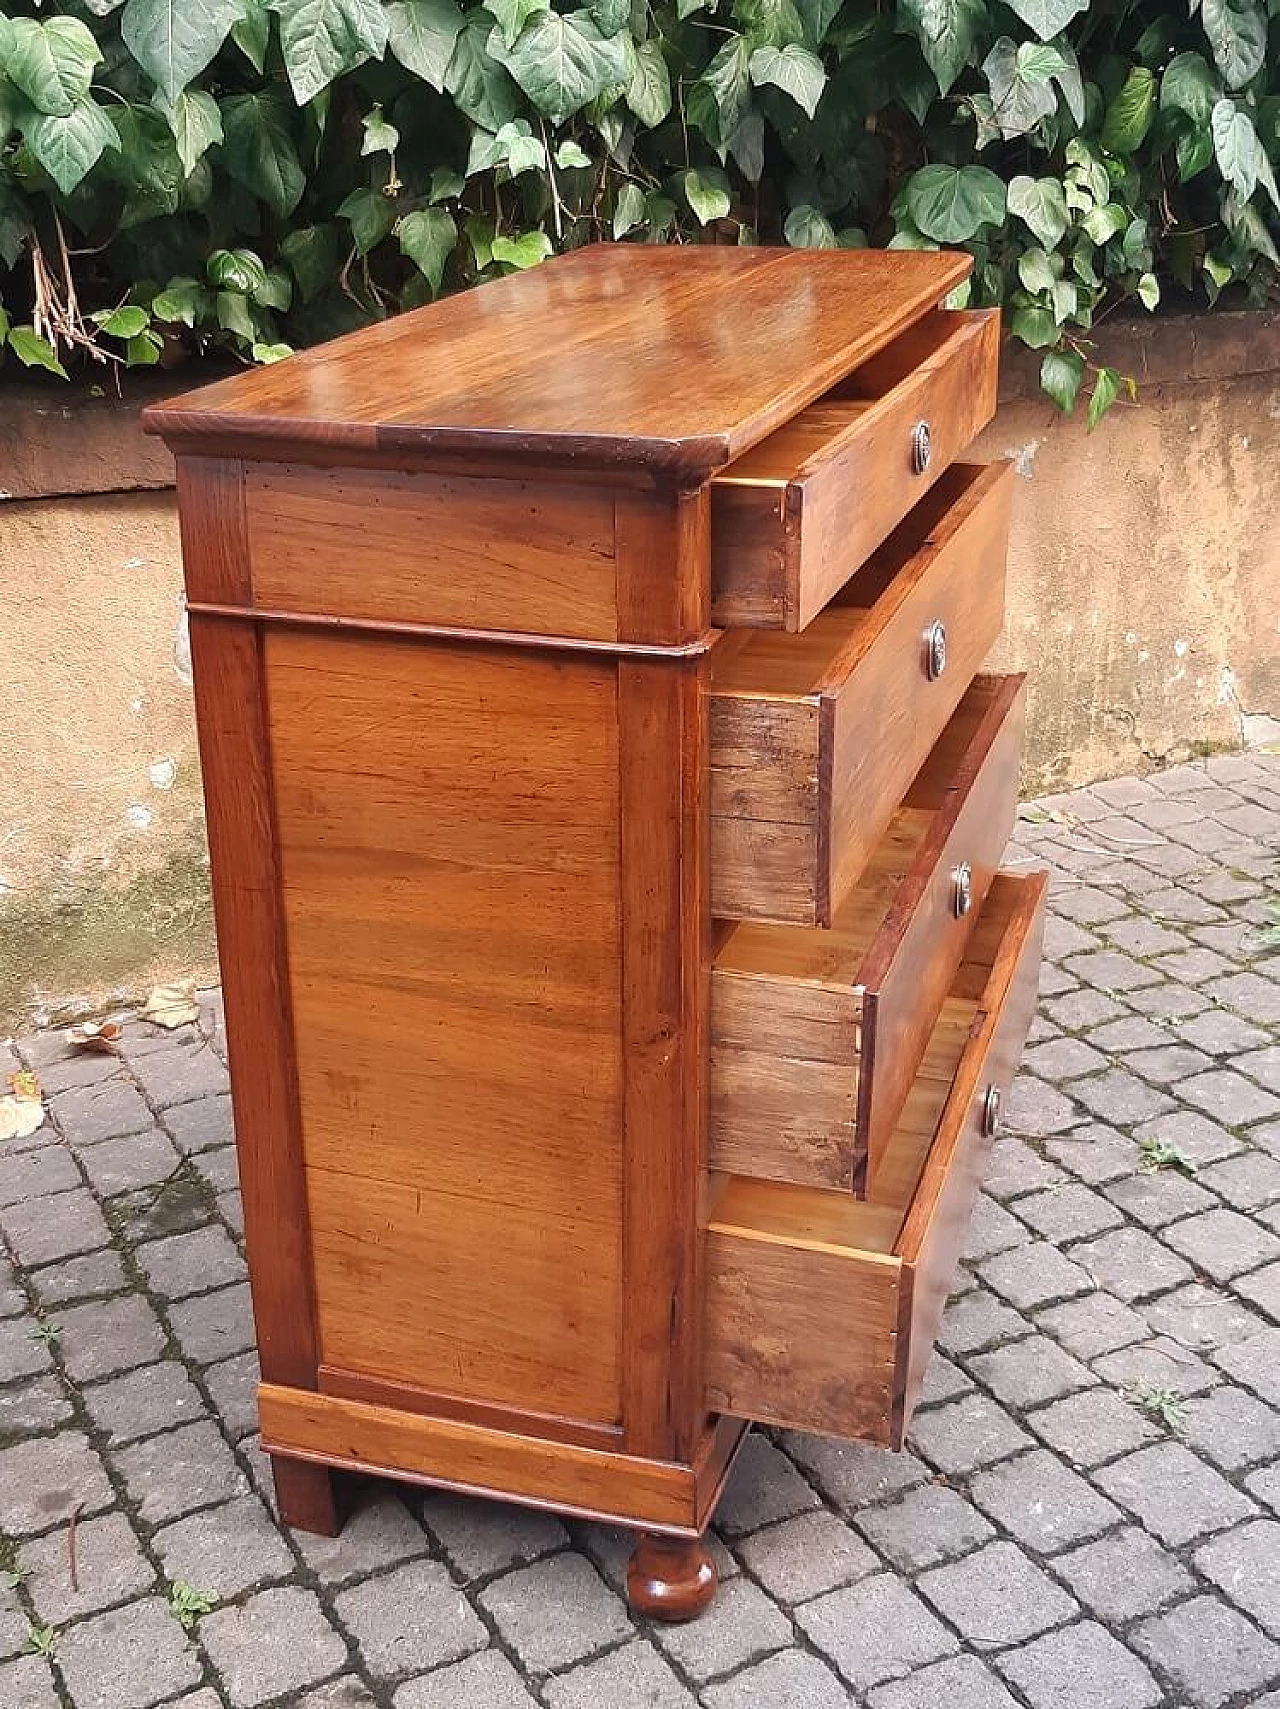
(46, 1332)
(187, 1604)
(1166, 1406)
(12, 1571)
(1271, 932)
(41, 1640)
(1157, 1154)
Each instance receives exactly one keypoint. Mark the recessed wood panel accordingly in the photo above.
(449, 850)
(450, 550)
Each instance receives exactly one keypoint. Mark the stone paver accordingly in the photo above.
(1044, 1544)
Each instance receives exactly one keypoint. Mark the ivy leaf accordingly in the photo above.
(128, 321)
(69, 145)
(946, 30)
(628, 210)
(746, 145)
(610, 15)
(1106, 389)
(1237, 32)
(173, 40)
(1237, 149)
(806, 228)
(51, 63)
(321, 38)
(521, 252)
(794, 70)
(311, 253)
(570, 156)
(951, 203)
(728, 76)
(258, 149)
(1060, 375)
(1189, 86)
(237, 270)
(1149, 291)
(1040, 204)
(769, 23)
(380, 135)
(445, 184)
(371, 216)
(1037, 272)
(707, 193)
(15, 225)
(1048, 18)
(428, 237)
(1194, 151)
(196, 124)
(563, 62)
(1102, 224)
(422, 35)
(1070, 82)
(1128, 117)
(251, 32)
(1019, 79)
(182, 300)
(513, 15)
(649, 90)
(474, 78)
(1035, 326)
(35, 352)
(234, 315)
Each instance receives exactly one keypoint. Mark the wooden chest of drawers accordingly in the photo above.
(605, 807)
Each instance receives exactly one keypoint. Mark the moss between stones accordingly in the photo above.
(87, 949)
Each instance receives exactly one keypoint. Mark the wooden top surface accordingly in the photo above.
(669, 359)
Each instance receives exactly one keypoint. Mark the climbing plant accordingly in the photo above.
(178, 176)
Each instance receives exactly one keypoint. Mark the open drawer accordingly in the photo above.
(821, 1309)
(816, 1036)
(795, 516)
(812, 735)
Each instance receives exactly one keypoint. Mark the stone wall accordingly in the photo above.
(1144, 599)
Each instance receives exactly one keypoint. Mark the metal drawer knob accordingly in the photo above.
(921, 447)
(935, 650)
(992, 1110)
(962, 889)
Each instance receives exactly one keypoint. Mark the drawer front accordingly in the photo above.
(797, 515)
(821, 1310)
(911, 967)
(816, 1036)
(814, 737)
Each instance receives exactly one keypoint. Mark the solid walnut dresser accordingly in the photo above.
(605, 807)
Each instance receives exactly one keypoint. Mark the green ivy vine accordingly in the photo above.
(178, 176)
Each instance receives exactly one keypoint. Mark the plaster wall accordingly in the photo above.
(1143, 598)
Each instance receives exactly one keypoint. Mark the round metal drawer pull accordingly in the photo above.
(962, 889)
(935, 650)
(921, 447)
(992, 1110)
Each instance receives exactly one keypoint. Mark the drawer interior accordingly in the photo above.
(818, 432)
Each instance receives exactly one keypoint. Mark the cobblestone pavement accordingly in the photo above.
(1046, 1542)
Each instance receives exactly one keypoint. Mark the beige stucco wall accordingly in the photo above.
(1143, 598)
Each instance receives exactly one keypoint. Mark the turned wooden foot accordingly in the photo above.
(310, 1497)
(671, 1578)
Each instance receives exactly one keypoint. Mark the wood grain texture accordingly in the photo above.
(796, 516)
(244, 853)
(448, 828)
(613, 356)
(449, 550)
(662, 547)
(816, 1035)
(663, 746)
(212, 529)
(594, 1484)
(821, 1308)
(814, 735)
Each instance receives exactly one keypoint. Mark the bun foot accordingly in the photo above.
(671, 1578)
(310, 1497)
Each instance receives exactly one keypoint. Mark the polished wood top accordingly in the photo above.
(672, 360)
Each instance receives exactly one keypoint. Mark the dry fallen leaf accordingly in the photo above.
(171, 1006)
(94, 1035)
(22, 1112)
